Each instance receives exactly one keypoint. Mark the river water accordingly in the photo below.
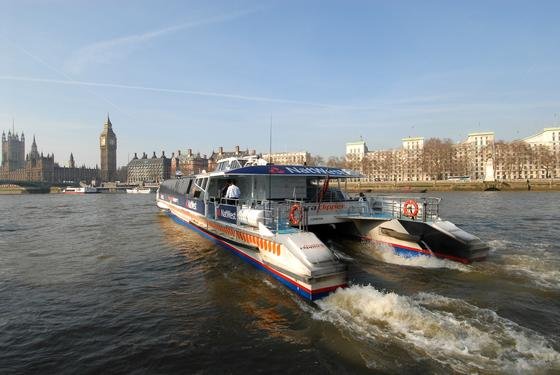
(106, 283)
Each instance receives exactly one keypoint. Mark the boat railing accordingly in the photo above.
(400, 207)
(276, 216)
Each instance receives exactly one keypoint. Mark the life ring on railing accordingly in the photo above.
(295, 214)
(410, 208)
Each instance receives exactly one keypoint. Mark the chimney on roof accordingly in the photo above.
(154, 155)
(253, 152)
(237, 150)
(162, 154)
(220, 150)
(189, 151)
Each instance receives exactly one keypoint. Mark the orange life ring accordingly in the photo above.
(295, 219)
(410, 208)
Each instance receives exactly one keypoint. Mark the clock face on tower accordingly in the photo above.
(111, 142)
(103, 141)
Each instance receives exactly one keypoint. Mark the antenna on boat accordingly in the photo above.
(270, 159)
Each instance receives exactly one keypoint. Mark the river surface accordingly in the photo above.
(106, 283)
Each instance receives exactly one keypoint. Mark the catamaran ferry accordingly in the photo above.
(407, 225)
(256, 225)
(272, 224)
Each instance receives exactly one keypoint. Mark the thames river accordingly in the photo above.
(105, 283)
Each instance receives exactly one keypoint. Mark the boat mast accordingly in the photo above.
(270, 160)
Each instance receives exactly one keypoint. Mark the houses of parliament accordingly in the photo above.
(35, 166)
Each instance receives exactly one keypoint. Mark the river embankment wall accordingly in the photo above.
(421, 186)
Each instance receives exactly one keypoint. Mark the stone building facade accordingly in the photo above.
(13, 151)
(533, 157)
(108, 152)
(288, 158)
(39, 168)
(221, 154)
(188, 163)
(144, 169)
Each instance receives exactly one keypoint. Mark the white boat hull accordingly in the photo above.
(274, 255)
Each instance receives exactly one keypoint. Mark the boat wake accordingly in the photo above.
(542, 272)
(385, 253)
(452, 332)
(540, 266)
(498, 245)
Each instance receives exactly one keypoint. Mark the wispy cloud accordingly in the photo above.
(167, 90)
(110, 50)
(59, 72)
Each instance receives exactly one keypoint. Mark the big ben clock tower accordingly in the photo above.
(108, 148)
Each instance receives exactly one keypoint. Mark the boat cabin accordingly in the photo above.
(267, 192)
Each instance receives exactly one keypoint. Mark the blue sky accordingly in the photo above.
(202, 74)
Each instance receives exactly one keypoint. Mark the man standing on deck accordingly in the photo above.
(232, 193)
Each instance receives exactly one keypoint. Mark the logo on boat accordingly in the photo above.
(228, 214)
(312, 246)
(276, 170)
(336, 206)
(317, 170)
(191, 205)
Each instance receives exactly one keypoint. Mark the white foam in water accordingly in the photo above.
(386, 253)
(497, 245)
(452, 332)
(541, 271)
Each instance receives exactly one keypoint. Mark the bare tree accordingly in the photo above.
(437, 158)
(545, 160)
(353, 162)
(335, 161)
(520, 157)
(316, 160)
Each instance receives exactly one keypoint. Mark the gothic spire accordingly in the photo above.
(72, 163)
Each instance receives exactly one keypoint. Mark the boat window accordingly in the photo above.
(222, 166)
(204, 183)
(234, 164)
(189, 185)
(182, 186)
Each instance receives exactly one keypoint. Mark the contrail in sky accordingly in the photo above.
(165, 90)
(109, 50)
(59, 72)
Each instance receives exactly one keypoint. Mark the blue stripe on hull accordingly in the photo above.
(248, 259)
(407, 253)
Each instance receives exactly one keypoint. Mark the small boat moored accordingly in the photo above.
(81, 190)
(139, 190)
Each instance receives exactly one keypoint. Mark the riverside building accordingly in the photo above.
(144, 169)
(288, 158)
(35, 166)
(188, 163)
(221, 154)
(533, 157)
